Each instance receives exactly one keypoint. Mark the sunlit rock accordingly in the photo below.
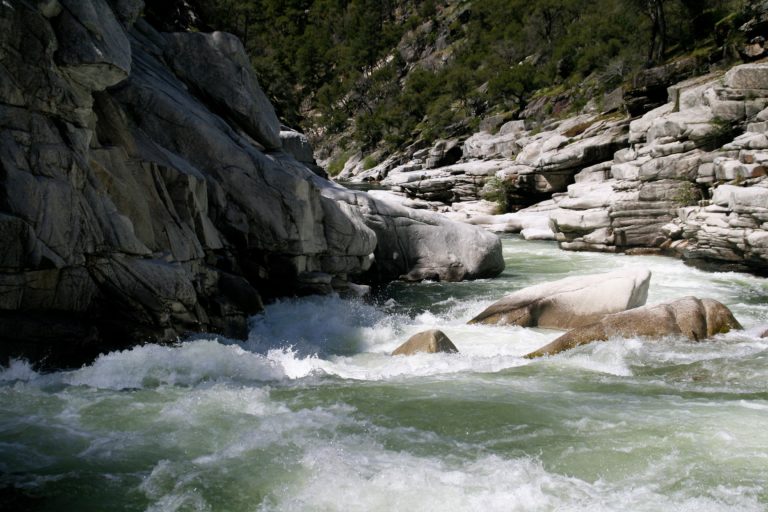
(430, 342)
(570, 302)
(695, 319)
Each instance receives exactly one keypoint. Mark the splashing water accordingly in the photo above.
(312, 413)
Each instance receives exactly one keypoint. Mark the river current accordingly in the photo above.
(311, 413)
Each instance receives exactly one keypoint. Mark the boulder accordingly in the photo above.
(127, 10)
(94, 49)
(297, 144)
(570, 302)
(414, 245)
(444, 152)
(580, 221)
(748, 76)
(696, 319)
(485, 145)
(430, 342)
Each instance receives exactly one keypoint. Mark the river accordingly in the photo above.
(311, 413)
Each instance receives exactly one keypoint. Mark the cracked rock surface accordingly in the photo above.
(146, 192)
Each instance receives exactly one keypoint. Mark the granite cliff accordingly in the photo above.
(149, 190)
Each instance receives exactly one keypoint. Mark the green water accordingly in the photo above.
(312, 414)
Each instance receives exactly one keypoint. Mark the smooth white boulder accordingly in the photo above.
(570, 302)
(580, 221)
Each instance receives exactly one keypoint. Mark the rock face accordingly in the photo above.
(217, 67)
(696, 319)
(148, 191)
(570, 302)
(430, 342)
(418, 244)
(526, 165)
(690, 183)
(686, 178)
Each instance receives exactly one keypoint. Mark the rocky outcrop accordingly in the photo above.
(430, 342)
(685, 185)
(216, 67)
(695, 319)
(686, 178)
(570, 302)
(522, 166)
(732, 230)
(148, 190)
(417, 244)
(649, 86)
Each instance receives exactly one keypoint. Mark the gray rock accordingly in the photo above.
(580, 221)
(696, 319)
(127, 10)
(144, 195)
(613, 100)
(570, 302)
(747, 76)
(297, 144)
(491, 124)
(484, 145)
(415, 244)
(93, 46)
(217, 66)
(444, 152)
(49, 8)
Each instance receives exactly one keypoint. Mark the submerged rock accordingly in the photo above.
(570, 302)
(431, 342)
(696, 319)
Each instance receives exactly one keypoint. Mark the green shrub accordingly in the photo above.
(369, 162)
(337, 164)
(497, 191)
(687, 195)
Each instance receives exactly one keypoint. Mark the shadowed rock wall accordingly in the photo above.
(145, 192)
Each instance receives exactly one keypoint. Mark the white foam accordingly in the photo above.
(611, 357)
(323, 326)
(359, 478)
(18, 370)
(185, 364)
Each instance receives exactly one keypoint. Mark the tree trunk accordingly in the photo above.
(658, 44)
(662, 23)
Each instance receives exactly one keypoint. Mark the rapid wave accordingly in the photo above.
(353, 340)
(312, 412)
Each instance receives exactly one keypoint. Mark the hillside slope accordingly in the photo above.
(376, 77)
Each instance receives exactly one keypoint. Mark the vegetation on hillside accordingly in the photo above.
(384, 73)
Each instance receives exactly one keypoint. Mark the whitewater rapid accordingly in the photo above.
(312, 413)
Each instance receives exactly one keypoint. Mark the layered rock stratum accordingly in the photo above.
(687, 178)
(149, 190)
